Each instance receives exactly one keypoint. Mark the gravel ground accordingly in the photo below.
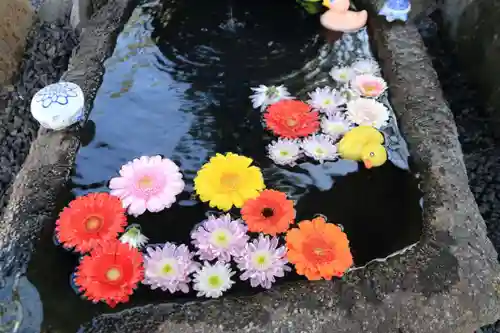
(481, 150)
(46, 58)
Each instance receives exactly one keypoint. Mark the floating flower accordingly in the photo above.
(320, 147)
(110, 273)
(147, 183)
(366, 66)
(265, 96)
(213, 280)
(228, 180)
(342, 74)
(326, 100)
(335, 126)
(263, 261)
(318, 249)
(367, 112)
(291, 119)
(284, 151)
(220, 238)
(168, 267)
(89, 220)
(349, 94)
(133, 237)
(271, 213)
(369, 85)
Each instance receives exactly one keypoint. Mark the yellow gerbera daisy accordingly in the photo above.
(228, 180)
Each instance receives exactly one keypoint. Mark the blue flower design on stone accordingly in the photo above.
(396, 10)
(58, 93)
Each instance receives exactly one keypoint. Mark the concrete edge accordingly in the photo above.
(47, 167)
(447, 283)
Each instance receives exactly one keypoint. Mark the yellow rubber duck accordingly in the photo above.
(363, 143)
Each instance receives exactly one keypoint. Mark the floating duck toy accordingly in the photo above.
(365, 144)
(340, 18)
(396, 10)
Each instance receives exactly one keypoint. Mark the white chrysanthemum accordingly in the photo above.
(335, 126)
(320, 147)
(264, 96)
(213, 280)
(326, 100)
(366, 66)
(368, 112)
(342, 74)
(133, 237)
(284, 151)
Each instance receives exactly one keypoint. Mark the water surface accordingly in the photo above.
(182, 91)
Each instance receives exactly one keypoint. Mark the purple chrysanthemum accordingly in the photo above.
(220, 238)
(168, 267)
(262, 261)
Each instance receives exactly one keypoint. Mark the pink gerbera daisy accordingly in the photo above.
(147, 183)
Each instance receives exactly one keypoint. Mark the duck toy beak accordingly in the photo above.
(368, 164)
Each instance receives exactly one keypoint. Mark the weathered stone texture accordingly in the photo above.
(16, 17)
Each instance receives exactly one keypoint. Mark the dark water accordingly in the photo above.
(182, 91)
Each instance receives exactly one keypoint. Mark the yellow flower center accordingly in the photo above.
(319, 151)
(230, 181)
(284, 153)
(327, 101)
(167, 269)
(214, 281)
(291, 122)
(93, 223)
(145, 182)
(221, 238)
(113, 274)
(261, 260)
(370, 88)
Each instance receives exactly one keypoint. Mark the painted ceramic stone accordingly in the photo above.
(396, 10)
(58, 105)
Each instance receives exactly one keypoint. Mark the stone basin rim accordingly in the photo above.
(447, 282)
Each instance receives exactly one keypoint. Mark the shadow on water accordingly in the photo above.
(182, 91)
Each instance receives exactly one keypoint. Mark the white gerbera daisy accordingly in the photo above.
(366, 66)
(320, 147)
(342, 74)
(335, 126)
(133, 237)
(284, 151)
(326, 99)
(265, 96)
(368, 112)
(213, 280)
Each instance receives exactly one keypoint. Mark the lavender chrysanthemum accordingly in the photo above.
(220, 238)
(168, 267)
(262, 261)
(326, 100)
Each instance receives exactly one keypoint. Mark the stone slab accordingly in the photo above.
(447, 283)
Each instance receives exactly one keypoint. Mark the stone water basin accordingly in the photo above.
(182, 91)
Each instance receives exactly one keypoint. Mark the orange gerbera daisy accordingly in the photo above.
(110, 273)
(291, 119)
(270, 213)
(318, 249)
(89, 220)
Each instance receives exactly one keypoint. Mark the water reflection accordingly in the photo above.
(182, 91)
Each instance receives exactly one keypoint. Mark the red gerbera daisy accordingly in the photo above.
(110, 273)
(291, 119)
(89, 220)
(271, 213)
